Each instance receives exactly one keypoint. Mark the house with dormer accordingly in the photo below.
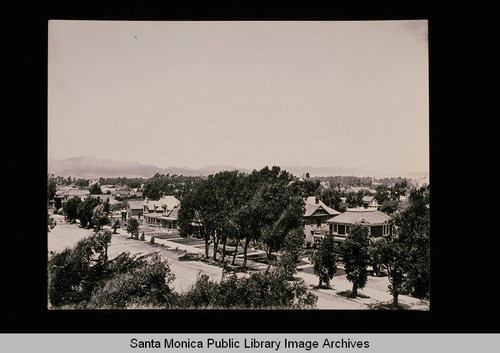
(315, 217)
(161, 213)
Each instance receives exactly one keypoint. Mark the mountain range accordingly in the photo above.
(91, 167)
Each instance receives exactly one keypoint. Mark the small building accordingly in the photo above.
(134, 209)
(378, 223)
(370, 202)
(65, 195)
(315, 217)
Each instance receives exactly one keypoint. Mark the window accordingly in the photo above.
(341, 229)
(335, 228)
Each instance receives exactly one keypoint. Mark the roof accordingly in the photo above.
(313, 207)
(77, 192)
(368, 198)
(360, 215)
(169, 201)
(174, 214)
(134, 204)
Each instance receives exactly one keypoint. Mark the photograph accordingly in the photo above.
(238, 165)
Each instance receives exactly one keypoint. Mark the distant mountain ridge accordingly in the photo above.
(91, 167)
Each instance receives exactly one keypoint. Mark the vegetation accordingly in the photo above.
(84, 278)
(133, 228)
(406, 254)
(356, 257)
(324, 260)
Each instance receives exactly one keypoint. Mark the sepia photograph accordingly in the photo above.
(238, 165)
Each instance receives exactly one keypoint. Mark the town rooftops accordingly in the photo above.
(359, 216)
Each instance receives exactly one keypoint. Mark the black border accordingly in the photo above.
(453, 307)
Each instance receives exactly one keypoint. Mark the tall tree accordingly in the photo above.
(86, 209)
(133, 228)
(99, 217)
(324, 260)
(356, 257)
(70, 209)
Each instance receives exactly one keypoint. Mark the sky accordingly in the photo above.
(241, 93)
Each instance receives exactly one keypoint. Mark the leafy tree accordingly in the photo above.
(292, 248)
(95, 189)
(413, 227)
(86, 211)
(143, 285)
(324, 260)
(51, 188)
(354, 199)
(332, 198)
(382, 194)
(393, 255)
(356, 257)
(399, 189)
(389, 206)
(133, 228)
(261, 290)
(70, 209)
(75, 273)
(99, 217)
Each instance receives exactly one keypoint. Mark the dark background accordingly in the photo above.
(463, 257)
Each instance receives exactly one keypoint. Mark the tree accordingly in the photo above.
(413, 228)
(51, 188)
(75, 273)
(145, 284)
(382, 194)
(292, 248)
(116, 224)
(95, 189)
(267, 289)
(99, 217)
(324, 260)
(399, 189)
(133, 228)
(86, 211)
(393, 255)
(70, 209)
(356, 257)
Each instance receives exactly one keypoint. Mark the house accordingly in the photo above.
(134, 209)
(163, 213)
(370, 202)
(378, 223)
(315, 217)
(66, 194)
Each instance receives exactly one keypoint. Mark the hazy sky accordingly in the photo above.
(249, 94)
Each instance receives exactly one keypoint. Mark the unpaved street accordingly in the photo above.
(186, 272)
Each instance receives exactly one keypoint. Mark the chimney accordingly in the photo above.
(317, 200)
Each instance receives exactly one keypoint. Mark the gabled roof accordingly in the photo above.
(311, 207)
(169, 201)
(174, 214)
(362, 215)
